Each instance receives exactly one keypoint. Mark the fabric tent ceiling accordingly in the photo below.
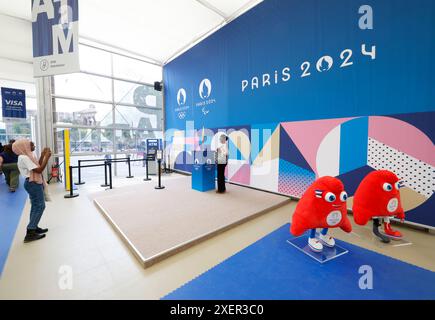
(156, 30)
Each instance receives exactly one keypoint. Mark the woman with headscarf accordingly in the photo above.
(32, 169)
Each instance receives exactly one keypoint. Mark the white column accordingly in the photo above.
(45, 117)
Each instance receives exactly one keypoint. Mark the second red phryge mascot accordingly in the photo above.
(323, 205)
(378, 197)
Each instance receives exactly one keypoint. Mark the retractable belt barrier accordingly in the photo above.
(107, 172)
(106, 164)
(127, 160)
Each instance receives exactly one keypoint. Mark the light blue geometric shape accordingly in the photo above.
(354, 137)
(234, 152)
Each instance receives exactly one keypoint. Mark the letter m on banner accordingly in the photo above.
(55, 35)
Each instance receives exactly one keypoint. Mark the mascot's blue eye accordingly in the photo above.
(387, 186)
(343, 196)
(330, 197)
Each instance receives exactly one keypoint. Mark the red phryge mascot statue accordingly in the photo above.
(378, 197)
(323, 205)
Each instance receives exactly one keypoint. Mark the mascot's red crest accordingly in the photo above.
(377, 196)
(323, 205)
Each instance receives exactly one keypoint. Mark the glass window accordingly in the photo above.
(125, 117)
(94, 60)
(86, 140)
(136, 70)
(15, 130)
(143, 135)
(140, 95)
(138, 118)
(85, 86)
(131, 141)
(82, 113)
(125, 140)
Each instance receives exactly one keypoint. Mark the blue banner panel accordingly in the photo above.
(13, 103)
(347, 84)
(301, 60)
(55, 37)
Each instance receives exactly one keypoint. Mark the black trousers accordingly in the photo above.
(221, 177)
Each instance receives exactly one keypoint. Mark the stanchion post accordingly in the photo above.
(79, 169)
(71, 193)
(129, 168)
(105, 175)
(110, 174)
(146, 168)
(159, 186)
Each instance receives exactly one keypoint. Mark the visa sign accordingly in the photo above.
(13, 103)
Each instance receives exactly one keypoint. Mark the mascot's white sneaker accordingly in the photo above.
(315, 244)
(327, 240)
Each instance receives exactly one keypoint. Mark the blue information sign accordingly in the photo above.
(154, 144)
(13, 103)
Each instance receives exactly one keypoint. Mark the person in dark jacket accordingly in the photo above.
(8, 164)
(1, 159)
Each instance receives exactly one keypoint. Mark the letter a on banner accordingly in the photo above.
(55, 34)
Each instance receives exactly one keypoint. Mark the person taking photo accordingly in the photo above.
(32, 168)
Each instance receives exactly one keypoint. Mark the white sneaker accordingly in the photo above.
(315, 244)
(327, 240)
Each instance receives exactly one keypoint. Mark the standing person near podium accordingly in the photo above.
(222, 161)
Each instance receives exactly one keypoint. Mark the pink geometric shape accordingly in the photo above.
(243, 175)
(402, 136)
(307, 135)
(191, 140)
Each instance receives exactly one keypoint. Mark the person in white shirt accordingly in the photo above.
(222, 160)
(32, 169)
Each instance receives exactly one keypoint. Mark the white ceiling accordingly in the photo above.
(154, 29)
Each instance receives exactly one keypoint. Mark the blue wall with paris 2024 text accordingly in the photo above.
(354, 78)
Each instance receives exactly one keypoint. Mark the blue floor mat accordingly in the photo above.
(273, 269)
(11, 208)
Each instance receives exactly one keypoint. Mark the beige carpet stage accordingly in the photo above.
(158, 223)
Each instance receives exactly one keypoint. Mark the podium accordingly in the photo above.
(203, 177)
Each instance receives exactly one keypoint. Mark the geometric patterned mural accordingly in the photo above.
(287, 157)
